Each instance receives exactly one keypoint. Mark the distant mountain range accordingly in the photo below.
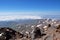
(51, 16)
(12, 23)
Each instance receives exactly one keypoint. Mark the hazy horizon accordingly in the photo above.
(29, 9)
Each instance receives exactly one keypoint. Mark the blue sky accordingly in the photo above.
(29, 7)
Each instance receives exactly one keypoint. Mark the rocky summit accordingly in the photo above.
(43, 29)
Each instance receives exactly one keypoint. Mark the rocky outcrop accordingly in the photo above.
(8, 33)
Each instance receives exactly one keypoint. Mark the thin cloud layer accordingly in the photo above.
(4, 18)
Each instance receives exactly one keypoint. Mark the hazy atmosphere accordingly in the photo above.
(29, 8)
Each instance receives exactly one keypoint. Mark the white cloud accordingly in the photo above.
(4, 18)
